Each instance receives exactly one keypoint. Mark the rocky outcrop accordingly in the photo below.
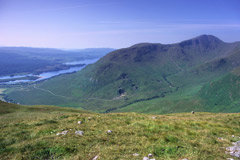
(234, 150)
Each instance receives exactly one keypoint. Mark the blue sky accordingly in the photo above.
(114, 23)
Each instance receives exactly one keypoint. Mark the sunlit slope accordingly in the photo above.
(142, 73)
(30, 133)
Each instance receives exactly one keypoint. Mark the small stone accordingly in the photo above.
(79, 133)
(89, 118)
(184, 159)
(135, 154)
(150, 155)
(154, 117)
(192, 112)
(79, 122)
(220, 138)
(95, 158)
(109, 131)
(230, 159)
(62, 133)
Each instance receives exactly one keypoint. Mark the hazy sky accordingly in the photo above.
(114, 23)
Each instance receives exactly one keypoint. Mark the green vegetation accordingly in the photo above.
(223, 92)
(146, 78)
(29, 132)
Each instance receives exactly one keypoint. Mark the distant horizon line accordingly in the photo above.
(2, 46)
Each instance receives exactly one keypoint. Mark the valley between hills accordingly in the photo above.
(200, 74)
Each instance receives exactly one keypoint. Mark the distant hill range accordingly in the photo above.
(199, 74)
(15, 60)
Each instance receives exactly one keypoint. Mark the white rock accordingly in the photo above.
(234, 150)
(150, 155)
(148, 158)
(135, 154)
(79, 122)
(154, 117)
(184, 159)
(95, 158)
(109, 131)
(230, 159)
(79, 133)
(62, 133)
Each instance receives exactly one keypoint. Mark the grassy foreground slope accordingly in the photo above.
(30, 133)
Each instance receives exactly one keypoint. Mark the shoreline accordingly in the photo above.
(29, 79)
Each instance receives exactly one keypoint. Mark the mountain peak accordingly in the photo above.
(203, 41)
(146, 44)
(207, 38)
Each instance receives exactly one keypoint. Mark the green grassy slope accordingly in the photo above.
(219, 95)
(223, 92)
(129, 78)
(30, 133)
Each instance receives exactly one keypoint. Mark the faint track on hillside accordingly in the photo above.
(57, 95)
(168, 82)
(102, 99)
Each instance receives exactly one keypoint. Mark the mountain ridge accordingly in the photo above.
(146, 71)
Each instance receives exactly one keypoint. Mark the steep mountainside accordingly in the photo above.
(141, 73)
(223, 93)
